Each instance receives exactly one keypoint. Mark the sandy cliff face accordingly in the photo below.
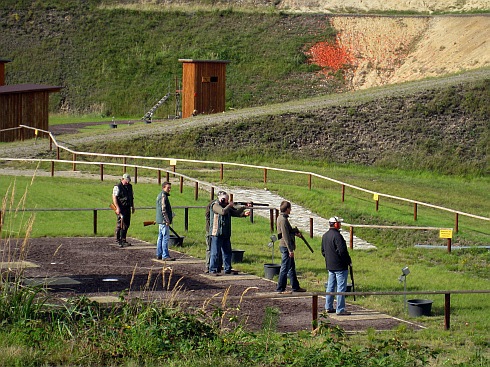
(384, 5)
(392, 50)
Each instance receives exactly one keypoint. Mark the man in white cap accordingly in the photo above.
(123, 200)
(337, 261)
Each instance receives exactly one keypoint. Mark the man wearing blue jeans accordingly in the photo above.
(164, 217)
(337, 261)
(220, 232)
(287, 246)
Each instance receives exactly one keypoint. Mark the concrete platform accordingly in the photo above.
(51, 281)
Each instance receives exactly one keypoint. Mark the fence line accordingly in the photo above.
(265, 169)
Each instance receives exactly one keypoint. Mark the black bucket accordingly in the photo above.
(175, 241)
(419, 307)
(271, 269)
(237, 256)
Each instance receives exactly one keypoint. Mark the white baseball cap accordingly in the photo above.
(333, 220)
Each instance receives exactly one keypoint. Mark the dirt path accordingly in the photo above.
(99, 269)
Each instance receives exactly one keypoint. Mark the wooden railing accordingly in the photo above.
(173, 163)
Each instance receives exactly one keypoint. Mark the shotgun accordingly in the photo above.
(300, 235)
(352, 279)
(249, 202)
(113, 207)
(151, 222)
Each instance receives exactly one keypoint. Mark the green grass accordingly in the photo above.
(430, 269)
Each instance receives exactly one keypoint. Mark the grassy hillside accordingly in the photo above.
(120, 62)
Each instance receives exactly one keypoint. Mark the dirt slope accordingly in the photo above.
(426, 6)
(388, 50)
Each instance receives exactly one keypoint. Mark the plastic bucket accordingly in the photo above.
(419, 307)
(237, 256)
(271, 269)
(175, 241)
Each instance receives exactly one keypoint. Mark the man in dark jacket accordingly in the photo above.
(337, 261)
(123, 200)
(287, 246)
(164, 217)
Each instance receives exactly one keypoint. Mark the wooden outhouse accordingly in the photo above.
(204, 86)
(22, 104)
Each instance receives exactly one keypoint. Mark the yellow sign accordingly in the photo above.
(35, 132)
(375, 197)
(173, 162)
(445, 233)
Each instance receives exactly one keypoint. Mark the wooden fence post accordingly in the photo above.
(221, 173)
(377, 204)
(95, 221)
(265, 175)
(58, 153)
(447, 311)
(186, 219)
(167, 177)
(456, 223)
(448, 245)
(415, 211)
(309, 182)
(181, 184)
(314, 311)
(211, 194)
(196, 190)
(74, 162)
(124, 164)
(101, 172)
(135, 175)
(159, 177)
(311, 227)
(52, 168)
(343, 193)
(351, 237)
(271, 219)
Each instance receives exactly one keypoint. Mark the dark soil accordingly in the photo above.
(104, 269)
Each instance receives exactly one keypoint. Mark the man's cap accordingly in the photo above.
(333, 220)
(222, 195)
(126, 177)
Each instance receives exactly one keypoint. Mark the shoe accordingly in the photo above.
(331, 310)
(168, 258)
(234, 272)
(299, 290)
(214, 273)
(125, 243)
(159, 257)
(343, 313)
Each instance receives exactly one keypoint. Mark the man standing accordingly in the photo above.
(287, 246)
(123, 200)
(164, 217)
(220, 231)
(337, 261)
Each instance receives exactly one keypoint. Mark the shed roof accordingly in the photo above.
(22, 88)
(205, 61)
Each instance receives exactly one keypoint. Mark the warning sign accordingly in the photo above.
(375, 197)
(445, 233)
(173, 162)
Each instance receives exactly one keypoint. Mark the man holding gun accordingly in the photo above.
(220, 231)
(123, 205)
(287, 246)
(164, 217)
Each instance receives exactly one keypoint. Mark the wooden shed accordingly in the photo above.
(25, 104)
(204, 86)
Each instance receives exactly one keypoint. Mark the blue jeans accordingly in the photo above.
(162, 241)
(288, 270)
(337, 282)
(223, 245)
